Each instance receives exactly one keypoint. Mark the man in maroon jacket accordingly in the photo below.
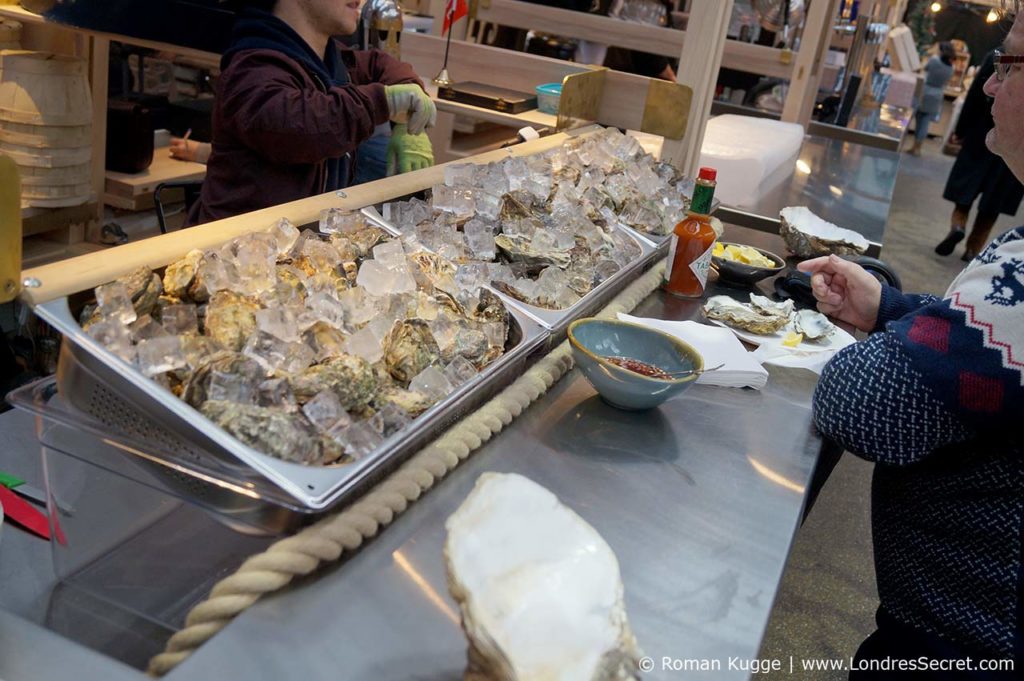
(292, 105)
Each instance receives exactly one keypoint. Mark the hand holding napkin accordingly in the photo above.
(717, 346)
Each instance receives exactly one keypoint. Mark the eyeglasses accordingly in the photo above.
(1004, 63)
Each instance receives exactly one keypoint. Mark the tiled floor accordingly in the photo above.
(826, 603)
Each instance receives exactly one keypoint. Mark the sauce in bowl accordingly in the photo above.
(638, 367)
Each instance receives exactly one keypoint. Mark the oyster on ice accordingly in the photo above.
(519, 249)
(179, 274)
(230, 318)
(808, 236)
(409, 348)
(740, 315)
(349, 377)
(272, 431)
(539, 589)
(812, 324)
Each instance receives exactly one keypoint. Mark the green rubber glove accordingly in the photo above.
(408, 152)
(409, 104)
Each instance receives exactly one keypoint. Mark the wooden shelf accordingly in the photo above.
(135, 191)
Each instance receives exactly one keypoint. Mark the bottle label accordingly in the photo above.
(701, 265)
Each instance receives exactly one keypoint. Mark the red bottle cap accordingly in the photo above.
(707, 174)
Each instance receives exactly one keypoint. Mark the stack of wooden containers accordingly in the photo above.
(46, 123)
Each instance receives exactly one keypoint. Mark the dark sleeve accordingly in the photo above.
(873, 401)
(647, 64)
(895, 304)
(376, 66)
(976, 109)
(270, 110)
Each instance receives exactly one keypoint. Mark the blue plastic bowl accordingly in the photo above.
(593, 339)
(548, 96)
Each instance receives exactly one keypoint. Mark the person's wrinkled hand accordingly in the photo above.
(409, 104)
(189, 150)
(407, 152)
(844, 290)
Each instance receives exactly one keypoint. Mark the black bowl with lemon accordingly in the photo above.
(742, 265)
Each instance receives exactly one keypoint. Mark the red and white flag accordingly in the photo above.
(453, 11)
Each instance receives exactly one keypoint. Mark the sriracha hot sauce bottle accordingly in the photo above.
(689, 256)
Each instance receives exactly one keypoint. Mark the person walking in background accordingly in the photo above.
(937, 73)
(977, 172)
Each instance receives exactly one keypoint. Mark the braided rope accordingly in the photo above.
(334, 535)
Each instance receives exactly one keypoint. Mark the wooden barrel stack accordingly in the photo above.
(10, 34)
(46, 125)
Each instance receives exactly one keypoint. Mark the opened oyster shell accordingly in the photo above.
(764, 319)
(813, 324)
(808, 236)
(539, 589)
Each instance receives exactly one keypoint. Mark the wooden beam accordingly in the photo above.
(803, 86)
(86, 271)
(698, 68)
(100, 63)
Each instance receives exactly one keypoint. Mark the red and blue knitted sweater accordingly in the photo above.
(935, 396)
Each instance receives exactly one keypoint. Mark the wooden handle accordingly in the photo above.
(10, 229)
(83, 272)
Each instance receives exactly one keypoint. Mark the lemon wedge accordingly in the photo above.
(792, 339)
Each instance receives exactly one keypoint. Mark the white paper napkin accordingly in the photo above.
(717, 346)
(780, 355)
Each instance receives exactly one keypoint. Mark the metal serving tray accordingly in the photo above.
(558, 320)
(88, 376)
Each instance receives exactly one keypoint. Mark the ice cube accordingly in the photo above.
(179, 319)
(391, 254)
(323, 306)
(471, 276)
(279, 322)
(487, 204)
(255, 266)
(229, 387)
(338, 221)
(359, 307)
(276, 392)
(160, 355)
(366, 344)
(359, 439)
(115, 337)
(145, 327)
(378, 280)
(286, 234)
(393, 418)
(495, 332)
(444, 332)
(407, 214)
(432, 383)
(459, 370)
(454, 200)
(480, 240)
(214, 273)
(114, 303)
(324, 410)
(276, 355)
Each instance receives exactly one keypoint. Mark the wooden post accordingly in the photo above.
(803, 86)
(100, 66)
(698, 68)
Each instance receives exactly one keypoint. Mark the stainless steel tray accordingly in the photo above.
(558, 320)
(88, 375)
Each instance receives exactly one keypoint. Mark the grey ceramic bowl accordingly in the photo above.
(593, 339)
(738, 274)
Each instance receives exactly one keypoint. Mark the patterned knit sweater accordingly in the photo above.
(934, 396)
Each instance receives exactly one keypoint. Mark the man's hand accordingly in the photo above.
(844, 290)
(189, 150)
(408, 152)
(409, 104)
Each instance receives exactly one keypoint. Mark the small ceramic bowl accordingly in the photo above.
(594, 339)
(735, 273)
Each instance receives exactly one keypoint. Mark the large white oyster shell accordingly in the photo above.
(539, 589)
(765, 317)
(808, 236)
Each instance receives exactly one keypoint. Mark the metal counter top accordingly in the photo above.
(848, 184)
(699, 499)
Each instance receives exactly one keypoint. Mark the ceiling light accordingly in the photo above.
(992, 16)
(936, 6)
